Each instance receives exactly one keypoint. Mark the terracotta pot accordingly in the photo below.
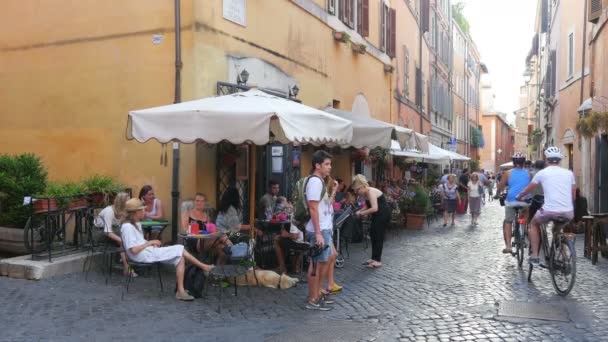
(97, 198)
(78, 203)
(42, 205)
(415, 221)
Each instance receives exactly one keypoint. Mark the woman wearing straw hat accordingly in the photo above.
(140, 250)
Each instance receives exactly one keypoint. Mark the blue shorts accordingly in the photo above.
(327, 252)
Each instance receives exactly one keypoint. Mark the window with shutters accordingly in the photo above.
(570, 54)
(423, 90)
(353, 13)
(388, 29)
(406, 68)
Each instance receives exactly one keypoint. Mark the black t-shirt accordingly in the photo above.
(464, 179)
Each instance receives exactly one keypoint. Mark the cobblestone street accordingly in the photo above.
(439, 284)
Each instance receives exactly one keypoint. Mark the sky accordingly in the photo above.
(502, 31)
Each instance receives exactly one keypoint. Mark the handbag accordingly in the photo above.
(238, 251)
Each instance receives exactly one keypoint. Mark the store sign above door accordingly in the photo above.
(235, 11)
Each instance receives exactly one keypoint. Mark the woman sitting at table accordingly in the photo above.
(140, 250)
(109, 219)
(154, 208)
(229, 219)
(193, 212)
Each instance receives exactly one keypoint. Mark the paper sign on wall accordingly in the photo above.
(235, 11)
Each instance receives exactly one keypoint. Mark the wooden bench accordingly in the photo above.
(595, 239)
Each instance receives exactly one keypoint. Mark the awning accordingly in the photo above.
(586, 106)
(370, 133)
(435, 153)
(249, 116)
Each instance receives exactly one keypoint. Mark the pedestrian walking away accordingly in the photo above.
(380, 211)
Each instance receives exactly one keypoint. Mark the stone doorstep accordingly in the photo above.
(23, 267)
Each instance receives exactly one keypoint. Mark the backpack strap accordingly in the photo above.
(323, 190)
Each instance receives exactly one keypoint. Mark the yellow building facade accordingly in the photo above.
(75, 69)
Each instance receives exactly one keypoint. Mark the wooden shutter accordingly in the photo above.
(392, 40)
(351, 13)
(383, 25)
(331, 6)
(425, 15)
(341, 10)
(364, 18)
(594, 8)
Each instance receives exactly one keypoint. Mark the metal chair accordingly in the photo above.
(100, 243)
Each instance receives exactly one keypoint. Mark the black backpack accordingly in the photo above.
(194, 281)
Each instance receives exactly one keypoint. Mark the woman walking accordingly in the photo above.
(450, 197)
(474, 194)
(378, 208)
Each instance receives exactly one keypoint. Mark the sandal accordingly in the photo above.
(374, 265)
(335, 289)
(132, 273)
(367, 262)
(506, 251)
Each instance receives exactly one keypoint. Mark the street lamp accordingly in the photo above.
(242, 78)
(294, 91)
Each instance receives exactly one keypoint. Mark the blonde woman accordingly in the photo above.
(449, 198)
(140, 250)
(380, 212)
(109, 219)
(474, 193)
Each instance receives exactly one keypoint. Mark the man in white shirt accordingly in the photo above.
(319, 227)
(559, 188)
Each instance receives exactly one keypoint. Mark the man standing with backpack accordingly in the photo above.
(319, 227)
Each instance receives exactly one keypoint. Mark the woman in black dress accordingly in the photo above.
(380, 211)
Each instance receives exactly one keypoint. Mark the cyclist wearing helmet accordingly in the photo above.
(516, 180)
(559, 188)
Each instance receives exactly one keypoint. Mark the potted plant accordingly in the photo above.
(101, 188)
(60, 195)
(358, 48)
(415, 204)
(341, 36)
(20, 177)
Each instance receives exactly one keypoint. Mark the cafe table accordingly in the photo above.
(156, 227)
(203, 238)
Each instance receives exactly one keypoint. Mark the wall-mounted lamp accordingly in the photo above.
(242, 78)
(293, 92)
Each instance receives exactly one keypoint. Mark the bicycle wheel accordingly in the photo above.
(519, 245)
(562, 265)
(35, 233)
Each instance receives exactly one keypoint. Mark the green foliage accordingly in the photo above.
(461, 20)
(103, 184)
(477, 138)
(419, 204)
(474, 165)
(20, 176)
(63, 192)
(591, 123)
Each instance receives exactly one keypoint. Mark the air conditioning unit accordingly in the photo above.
(594, 10)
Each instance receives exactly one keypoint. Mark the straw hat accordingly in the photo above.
(134, 204)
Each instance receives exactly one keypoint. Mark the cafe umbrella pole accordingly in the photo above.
(252, 174)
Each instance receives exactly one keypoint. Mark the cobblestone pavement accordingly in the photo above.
(439, 284)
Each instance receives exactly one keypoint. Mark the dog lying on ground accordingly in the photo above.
(265, 278)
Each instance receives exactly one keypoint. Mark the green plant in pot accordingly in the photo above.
(101, 188)
(20, 176)
(415, 204)
(59, 195)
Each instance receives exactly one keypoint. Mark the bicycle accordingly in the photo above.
(519, 229)
(560, 256)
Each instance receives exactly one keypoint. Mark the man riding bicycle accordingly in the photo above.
(559, 188)
(516, 179)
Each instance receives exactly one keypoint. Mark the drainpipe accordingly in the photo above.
(586, 145)
(177, 99)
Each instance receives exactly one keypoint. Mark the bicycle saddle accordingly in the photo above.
(561, 220)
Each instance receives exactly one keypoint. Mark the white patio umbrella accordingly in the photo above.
(237, 118)
(370, 133)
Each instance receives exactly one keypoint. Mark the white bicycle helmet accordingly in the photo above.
(518, 158)
(553, 153)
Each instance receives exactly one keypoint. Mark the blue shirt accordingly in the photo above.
(518, 180)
